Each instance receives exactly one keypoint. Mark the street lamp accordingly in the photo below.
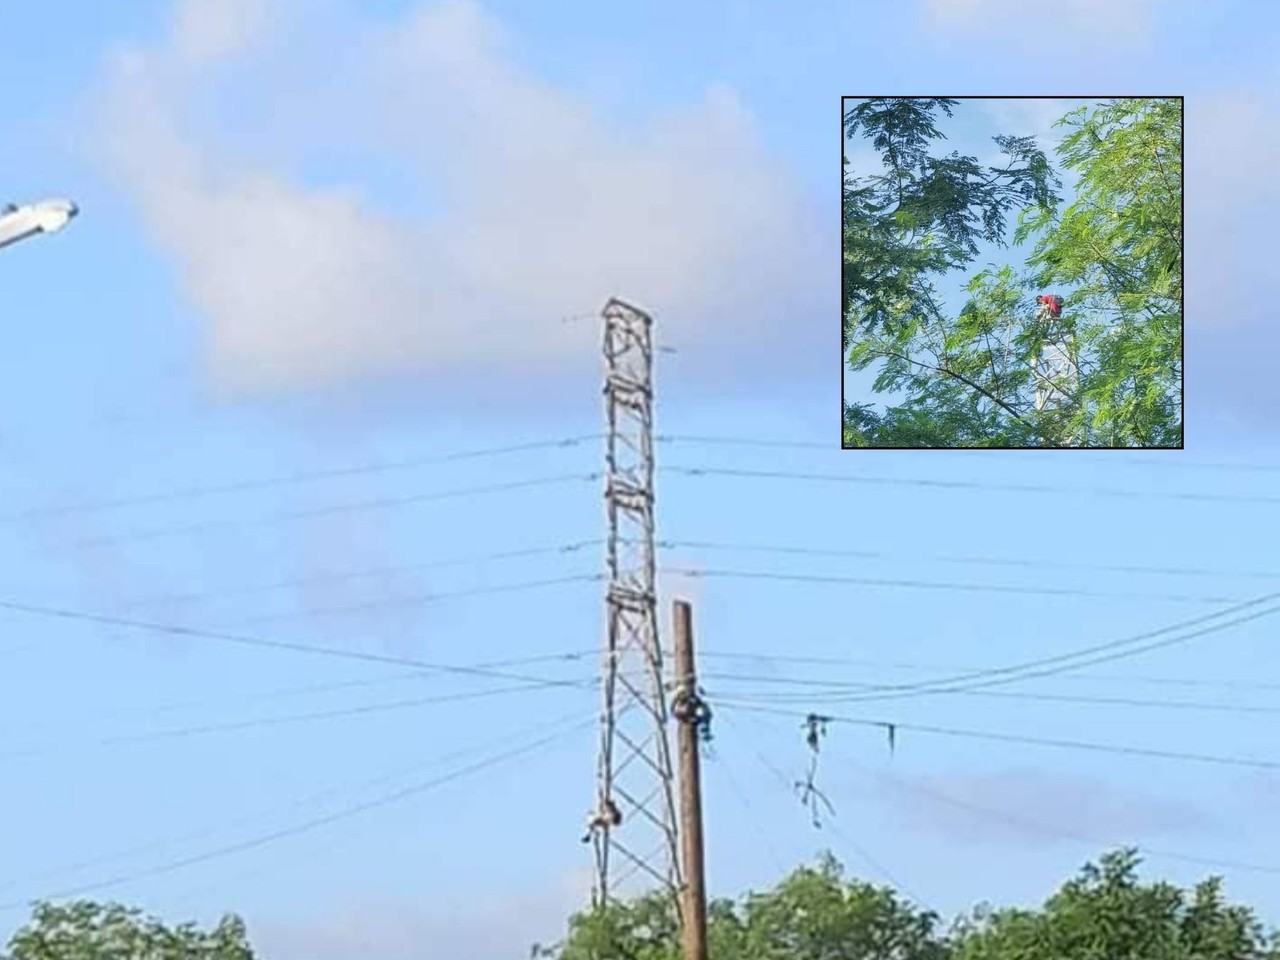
(44, 216)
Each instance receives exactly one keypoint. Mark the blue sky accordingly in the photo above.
(355, 239)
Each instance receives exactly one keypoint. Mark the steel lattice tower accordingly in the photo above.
(635, 816)
(1055, 372)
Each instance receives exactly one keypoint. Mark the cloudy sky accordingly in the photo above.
(327, 248)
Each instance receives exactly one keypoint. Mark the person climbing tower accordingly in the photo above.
(1050, 306)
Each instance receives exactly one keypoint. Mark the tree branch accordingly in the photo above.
(982, 390)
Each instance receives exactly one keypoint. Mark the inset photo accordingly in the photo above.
(1012, 272)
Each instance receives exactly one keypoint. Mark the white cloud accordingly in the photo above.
(1232, 196)
(545, 208)
(1231, 157)
(207, 30)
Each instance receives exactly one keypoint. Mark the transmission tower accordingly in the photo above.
(1056, 372)
(633, 827)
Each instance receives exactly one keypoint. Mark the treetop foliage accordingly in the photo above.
(1115, 250)
(1106, 912)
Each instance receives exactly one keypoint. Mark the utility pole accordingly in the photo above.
(635, 815)
(692, 715)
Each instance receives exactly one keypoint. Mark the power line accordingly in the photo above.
(1106, 652)
(943, 585)
(840, 693)
(191, 596)
(1018, 738)
(299, 802)
(1034, 826)
(740, 795)
(1013, 819)
(292, 691)
(272, 644)
(1127, 460)
(385, 602)
(257, 723)
(1051, 671)
(380, 503)
(962, 484)
(290, 479)
(967, 559)
(312, 824)
(970, 668)
(852, 844)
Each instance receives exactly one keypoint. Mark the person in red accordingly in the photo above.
(1050, 306)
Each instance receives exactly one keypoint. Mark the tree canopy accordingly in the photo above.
(84, 930)
(1104, 913)
(974, 379)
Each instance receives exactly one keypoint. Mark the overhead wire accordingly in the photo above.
(392, 569)
(280, 693)
(1036, 826)
(1086, 656)
(379, 503)
(267, 642)
(749, 474)
(240, 486)
(279, 720)
(851, 692)
(309, 825)
(1126, 460)
(966, 559)
(306, 800)
(1200, 682)
(857, 848)
(716, 573)
(1000, 676)
(1030, 825)
(895, 726)
(385, 602)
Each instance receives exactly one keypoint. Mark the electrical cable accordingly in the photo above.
(970, 668)
(271, 644)
(260, 722)
(290, 479)
(710, 573)
(967, 559)
(280, 693)
(687, 471)
(384, 602)
(193, 596)
(1015, 820)
(1033, 826)
(1017, 738)
(840, 693)
(311, 824)
(1127, 460)
(380, 503)
(1105, 652)
(853, 845)
(995, 678)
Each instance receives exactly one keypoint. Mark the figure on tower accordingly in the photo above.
(1050, 306)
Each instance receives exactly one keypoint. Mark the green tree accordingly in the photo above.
(83, 930)
(968, 380)
(814, 914)
(1107, 914)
